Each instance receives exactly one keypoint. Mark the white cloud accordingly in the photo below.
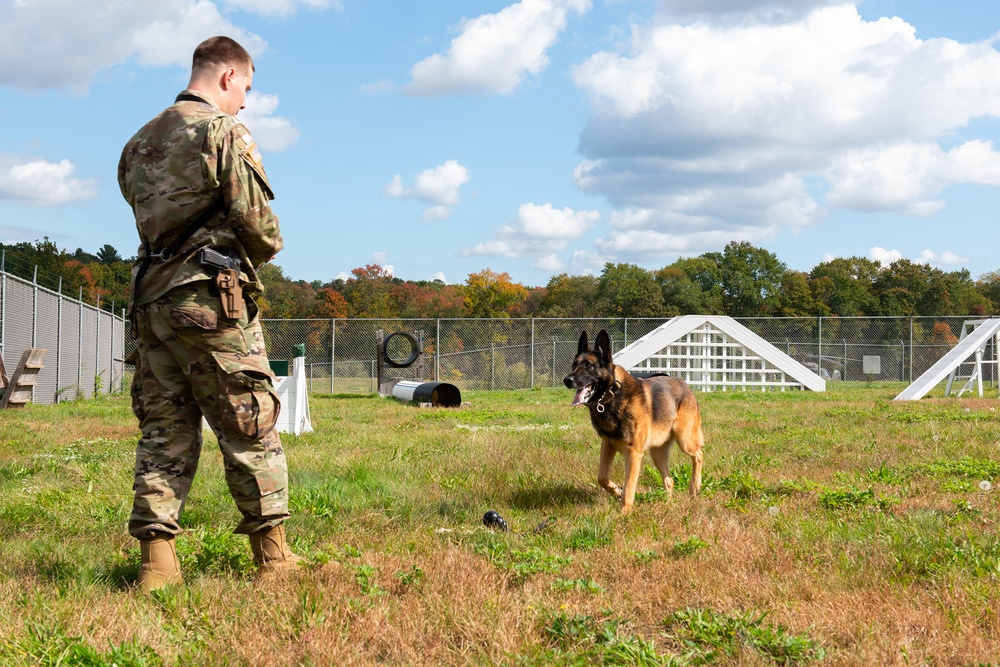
(42, 183)
(395, 188)
(586, 262)
(380, 87)
(885, 257)
(271, 132)
(946, 258)
(761, 9)
(438, 187)
(493, 53)
(546, 222)
(65, 43)
(439, 276)
(901, 176)
(281, 8)
(538, 231)
(435, 213)
(732, 126)
(550, 263)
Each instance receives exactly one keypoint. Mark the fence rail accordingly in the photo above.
(87, 346)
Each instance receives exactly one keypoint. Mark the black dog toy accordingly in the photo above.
(493, 520)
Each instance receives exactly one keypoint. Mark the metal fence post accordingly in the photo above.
(553, 361)
(3, 301)
(34, 311)
(124, 356)
(111, 350)
(79, 349)
(437, 352)
(97, 346)
(911, 348)
(333, 348)
(819, 350)
(59, 341)
(531, 351)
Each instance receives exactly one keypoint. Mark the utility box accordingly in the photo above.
(871, 364)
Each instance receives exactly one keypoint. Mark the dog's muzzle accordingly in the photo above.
(583, 394)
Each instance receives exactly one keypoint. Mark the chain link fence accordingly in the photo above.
(485, 354)
(87, 346)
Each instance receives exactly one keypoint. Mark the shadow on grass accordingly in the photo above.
(552, 495)
(68, 568)
(119, 575)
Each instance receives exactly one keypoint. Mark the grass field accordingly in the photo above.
(834, 529)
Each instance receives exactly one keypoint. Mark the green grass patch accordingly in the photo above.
(826, 509)
(48, 646)
(707, 635)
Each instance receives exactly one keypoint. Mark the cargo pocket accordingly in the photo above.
(248, 404)
(136, 392)
(192, 316)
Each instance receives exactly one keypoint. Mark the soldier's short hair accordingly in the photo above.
(220, 51)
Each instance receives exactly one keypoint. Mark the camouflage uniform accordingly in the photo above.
(192, 362)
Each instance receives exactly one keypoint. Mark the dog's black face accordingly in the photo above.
(593, 370)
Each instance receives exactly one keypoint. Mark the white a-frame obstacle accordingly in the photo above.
(716, 353)
(976, 336)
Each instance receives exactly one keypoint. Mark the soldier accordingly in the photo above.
(194, 179)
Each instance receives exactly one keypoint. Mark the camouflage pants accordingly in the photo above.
(194, 363)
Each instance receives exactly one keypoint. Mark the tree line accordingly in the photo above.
(741, 280)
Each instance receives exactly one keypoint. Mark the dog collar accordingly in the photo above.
(615, 386)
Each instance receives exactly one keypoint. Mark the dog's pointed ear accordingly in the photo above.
(584, 346)
(602, 346)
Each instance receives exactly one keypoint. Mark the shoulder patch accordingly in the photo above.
(251, 152)
(251, 155)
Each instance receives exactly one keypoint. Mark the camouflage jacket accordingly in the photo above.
(191, 158)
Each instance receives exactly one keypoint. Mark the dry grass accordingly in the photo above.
(835, 528)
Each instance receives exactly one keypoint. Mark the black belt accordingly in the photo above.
(166, 254)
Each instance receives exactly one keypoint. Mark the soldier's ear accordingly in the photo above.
(583, 346)
(602, 347)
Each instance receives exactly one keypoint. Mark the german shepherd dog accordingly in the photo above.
(632, 415)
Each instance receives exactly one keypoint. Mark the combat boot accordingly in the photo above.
(271, 552)
(160, 566)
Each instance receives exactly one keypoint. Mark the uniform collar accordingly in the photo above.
(189, 95)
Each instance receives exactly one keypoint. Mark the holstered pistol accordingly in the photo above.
(231, 293)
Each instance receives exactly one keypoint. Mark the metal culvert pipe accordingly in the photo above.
(438, 394)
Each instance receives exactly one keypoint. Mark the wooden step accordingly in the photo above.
(16, 390)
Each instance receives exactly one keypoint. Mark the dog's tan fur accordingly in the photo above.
(632, 415)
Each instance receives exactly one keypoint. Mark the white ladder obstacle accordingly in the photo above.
(976, 336)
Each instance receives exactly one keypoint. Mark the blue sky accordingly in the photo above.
(442, 137)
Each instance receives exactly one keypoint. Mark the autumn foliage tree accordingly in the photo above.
(490, 294)
(369, 292)
(741, 280)
(627, 290)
